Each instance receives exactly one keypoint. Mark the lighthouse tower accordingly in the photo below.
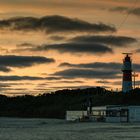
(127, 73)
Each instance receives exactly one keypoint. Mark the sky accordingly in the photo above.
(48, 45)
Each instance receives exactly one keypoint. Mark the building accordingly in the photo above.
(75, 115)
(127, 73)
(110, 113)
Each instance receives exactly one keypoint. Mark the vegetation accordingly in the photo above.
(54, 105)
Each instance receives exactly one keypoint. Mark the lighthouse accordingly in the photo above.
(127, 73)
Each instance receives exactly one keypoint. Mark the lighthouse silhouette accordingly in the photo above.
(127, 73)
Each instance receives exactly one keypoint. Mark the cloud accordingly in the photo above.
(12, 89)
(103, 82)
(32, 78)
(3, 85)
(113, 66)
(43, 85)
(95, 65)
(18, 78)
(22, 61)
(137, 51)
(136, 67)
(135, 11)
(57, 38)
(72, 87)
(9, 84)
(8, 61)
(119, 9)
(74, 48)
(87, 73)
(53, 24)
(117, 83)
(51, 78)
(83, 44)
(25, 45)
(119, 41)
(4, 69)
(71, 82)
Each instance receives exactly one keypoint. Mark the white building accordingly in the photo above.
(111, 113)
(75, 115)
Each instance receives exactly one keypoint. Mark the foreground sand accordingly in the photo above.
(49, 129)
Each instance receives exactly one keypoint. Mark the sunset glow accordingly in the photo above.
(47, 45)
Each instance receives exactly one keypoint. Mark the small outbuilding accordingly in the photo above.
(110, 113)
(75, 115)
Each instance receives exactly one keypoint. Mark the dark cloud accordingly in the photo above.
(119, 41)
(64, 87)
(72, 87)
(51, 78)
(57, 38)
(18, 78)
(100, 66)
(117, 83)
(136, 67)
(13, 89)
(26, 45)
(135, 11)
(53, 24)
(4, 69)
(22, 61)
(95, 70)
(71, 82)
(137, 51)
(119, 9)
(19, 93)
(8, 61)
(103, 82)
(65, 64)
(3, 85)
(88, 74)
(95, 65)
(75, 48)
(40, 89)
(83, 44)
(60, 81)
(9, 84)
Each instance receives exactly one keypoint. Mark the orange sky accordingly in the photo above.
(126, 22)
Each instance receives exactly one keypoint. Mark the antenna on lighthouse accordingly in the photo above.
(128, 53)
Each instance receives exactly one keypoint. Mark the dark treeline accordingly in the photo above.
(54, 105)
